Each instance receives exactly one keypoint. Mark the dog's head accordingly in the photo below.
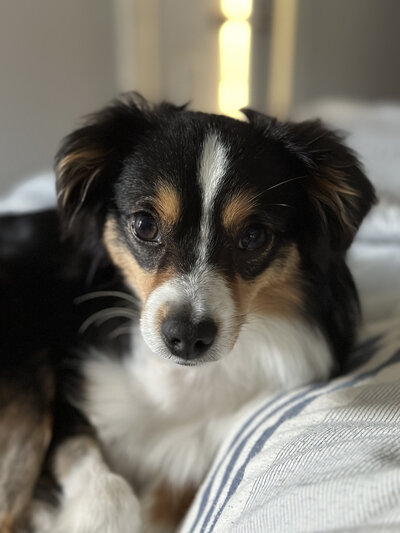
(211, 220)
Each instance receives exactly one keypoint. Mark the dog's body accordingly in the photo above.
(230, 238)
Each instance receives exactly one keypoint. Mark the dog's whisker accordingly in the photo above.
(318, 137)
(106, 314)
(282, 205)
(122, 330)
(261, 193)
(104, 294)
(284, 182)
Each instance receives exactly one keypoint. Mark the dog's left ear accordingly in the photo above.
(339, 192)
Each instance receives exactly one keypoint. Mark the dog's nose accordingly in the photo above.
(187, 339)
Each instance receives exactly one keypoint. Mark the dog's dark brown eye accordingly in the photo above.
(253, 238)
(144, 226)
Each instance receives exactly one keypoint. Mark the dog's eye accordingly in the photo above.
(253, 237)
(144, 226)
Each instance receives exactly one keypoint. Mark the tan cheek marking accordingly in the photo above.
(237, 210)
(276, 291)
(142, 282)
(167, 203)
(168, 505)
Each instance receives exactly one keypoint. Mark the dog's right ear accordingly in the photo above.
(90, 158)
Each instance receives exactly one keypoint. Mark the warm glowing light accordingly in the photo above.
(283, 48)
(236, 9)
(234, 46)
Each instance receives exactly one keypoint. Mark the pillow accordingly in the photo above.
(35, 194)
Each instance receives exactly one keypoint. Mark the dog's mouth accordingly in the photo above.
(189, 364)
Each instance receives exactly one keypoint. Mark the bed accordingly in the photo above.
(324, 457)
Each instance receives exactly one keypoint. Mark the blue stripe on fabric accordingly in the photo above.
(391, 361)
(296, 409)
(364, 352)
(258, 446)
(239, 448)
(207, 491)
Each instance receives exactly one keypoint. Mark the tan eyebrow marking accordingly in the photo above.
(167, 203)
(237, 209)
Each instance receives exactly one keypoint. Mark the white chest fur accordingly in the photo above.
(159, 420)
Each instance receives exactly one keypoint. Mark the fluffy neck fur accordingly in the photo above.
(160, 421)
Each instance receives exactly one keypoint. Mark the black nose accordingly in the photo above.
(187, 339)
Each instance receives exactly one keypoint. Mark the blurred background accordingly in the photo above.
(291, 58)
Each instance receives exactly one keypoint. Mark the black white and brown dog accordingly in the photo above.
(202, 264)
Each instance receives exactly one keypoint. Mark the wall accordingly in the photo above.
(56, 63)
(347, 48)
(189, 63)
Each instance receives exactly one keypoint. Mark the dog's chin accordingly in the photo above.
(187, 363)
(207, 358)
(157, 347)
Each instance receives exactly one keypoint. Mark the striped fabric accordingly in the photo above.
(323, 458)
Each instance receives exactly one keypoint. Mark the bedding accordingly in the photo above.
(324, 457)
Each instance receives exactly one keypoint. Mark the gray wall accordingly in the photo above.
(189, 62)
(56, 63)
(347, 48)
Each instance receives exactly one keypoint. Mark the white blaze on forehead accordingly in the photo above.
(213, 166)
(213, 163)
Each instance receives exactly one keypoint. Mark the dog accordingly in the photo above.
(196, 262)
